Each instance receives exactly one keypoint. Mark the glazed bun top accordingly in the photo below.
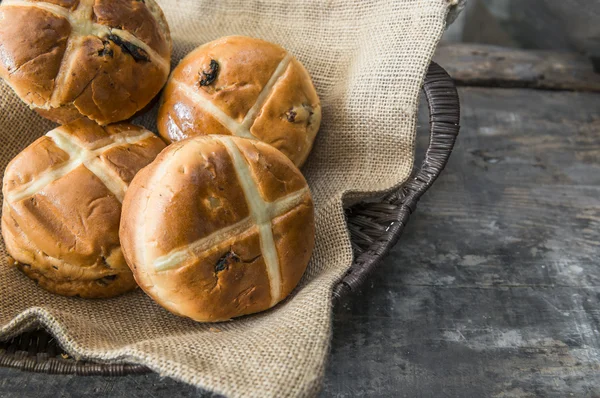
(244, 87)
(217, 227)
(62, 205)
(104, 59)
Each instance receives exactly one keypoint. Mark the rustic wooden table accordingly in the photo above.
(494, 288)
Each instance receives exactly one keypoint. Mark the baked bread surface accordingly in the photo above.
(104, 59)
(62, 206)
(217, 227)
(244, 87)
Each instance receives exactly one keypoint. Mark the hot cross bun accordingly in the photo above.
(243, 87)
(62, 206)
(217, 227)
(104, 59)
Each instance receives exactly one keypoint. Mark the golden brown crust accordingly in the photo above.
(179, 114)
(136, 198)
(94, 281)
(241, 285)
(32, 45)
(135, 17)
(191, 230)
(60, 220)
(294, 233)
(245, 66)
(104, 59)
(276, 175)
(290, 118)
(111, 87)
(44, 155)
(124, 160)
(89, 134)
(69, 4)
(65, 113)
(198, 196)
(254, 82)
(65, 226)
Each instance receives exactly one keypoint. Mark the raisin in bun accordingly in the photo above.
(104, 59)
(62, 206)
(244, 87)
(217, 227)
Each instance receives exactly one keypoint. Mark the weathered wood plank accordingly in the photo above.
(494, 289)
(17, 384)
(492, 66)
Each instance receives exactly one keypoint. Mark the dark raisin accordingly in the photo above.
(106, 51)
(105, 263)
(207, 77)
(55, 267)
(291, 116)
(105, 280)
(225, 261)
(137, 53)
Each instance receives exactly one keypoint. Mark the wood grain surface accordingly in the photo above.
(494, 288)
(492, 66)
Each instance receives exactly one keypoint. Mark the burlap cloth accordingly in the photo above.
(368, 60)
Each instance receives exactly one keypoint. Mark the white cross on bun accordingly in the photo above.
(104, 59)
(218, 227)
(62, 206)
(244, 87)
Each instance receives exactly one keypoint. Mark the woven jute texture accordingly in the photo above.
(368, 59)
